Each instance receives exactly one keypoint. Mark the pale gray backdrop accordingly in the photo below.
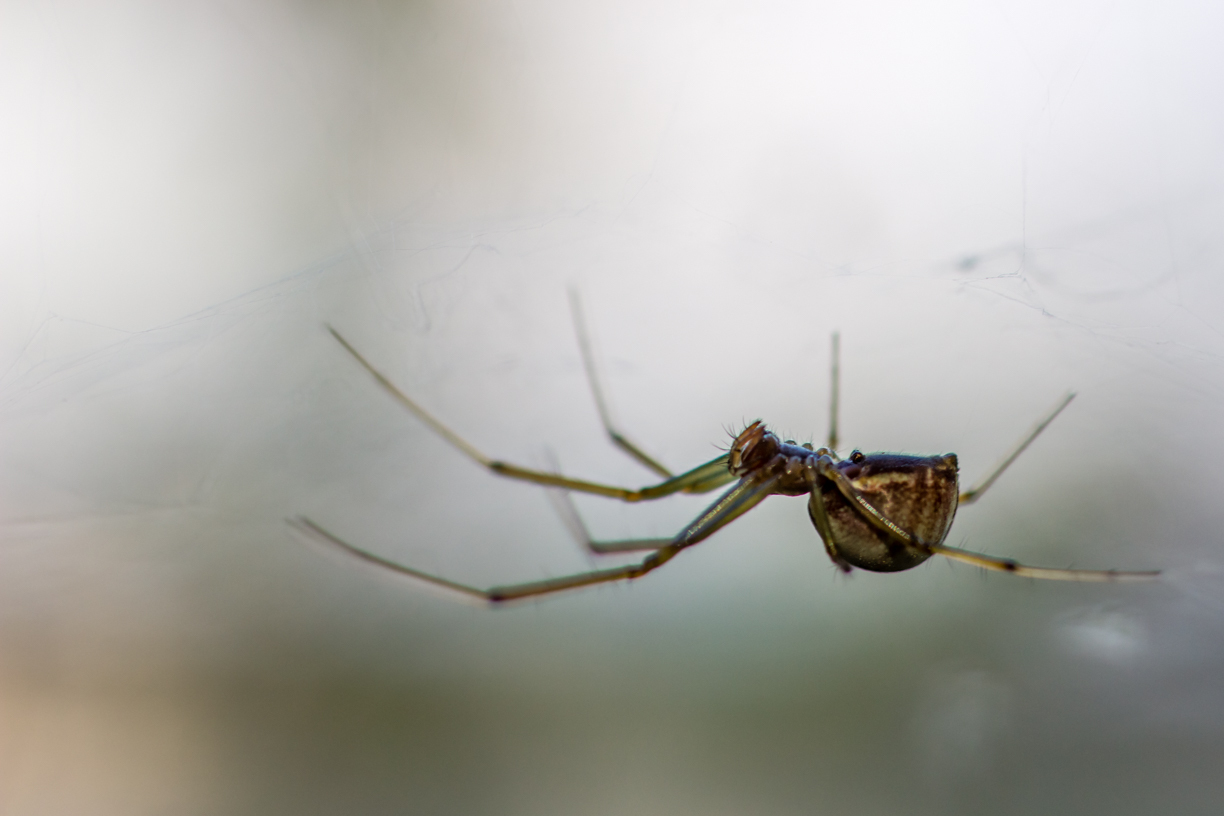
(994, 203)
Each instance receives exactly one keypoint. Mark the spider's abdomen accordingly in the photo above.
(917, 493)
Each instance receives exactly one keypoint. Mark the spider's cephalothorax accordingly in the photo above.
(758, 451)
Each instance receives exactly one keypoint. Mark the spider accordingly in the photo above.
(882, 512)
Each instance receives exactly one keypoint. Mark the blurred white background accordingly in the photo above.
(994, 203)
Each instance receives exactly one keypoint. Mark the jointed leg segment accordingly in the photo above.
(605, 415)
(701, 479)
(1049, 574)
(495, 594)
(975, 492)
(834, 392)
(577, 527)
(733, 504)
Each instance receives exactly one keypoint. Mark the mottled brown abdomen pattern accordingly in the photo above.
(917, 493)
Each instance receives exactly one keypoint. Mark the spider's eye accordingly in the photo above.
(857, 457)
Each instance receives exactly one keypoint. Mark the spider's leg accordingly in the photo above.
(737, 501)
(573, 522)
(828, 470)
(605, 415)
(701, 478)
(305, 525)
(974, 493)
(820, 518)
(834, 392)
(1008, 565)
(572, 519)
(733, 504)
(901, 536)
(714, 482)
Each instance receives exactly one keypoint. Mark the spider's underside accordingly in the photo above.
(882, 512)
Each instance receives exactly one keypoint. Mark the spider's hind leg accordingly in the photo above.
(906, 539)
(974, 493)
(1050, 574)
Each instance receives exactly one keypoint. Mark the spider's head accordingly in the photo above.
(755, 446)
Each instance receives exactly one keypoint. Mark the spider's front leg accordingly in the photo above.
(701, 479)
(750, 492)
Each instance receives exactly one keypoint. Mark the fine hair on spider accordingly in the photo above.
(882, 512)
